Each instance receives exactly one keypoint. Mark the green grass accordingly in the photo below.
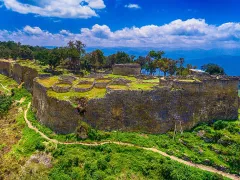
(219, 147)
(83, 86)
(118, 87)
(155, 81)
(48, 82)
(117, 162)
(94, 93)
(32, 64)
(141, 86)
(8, 83)
(102, 162)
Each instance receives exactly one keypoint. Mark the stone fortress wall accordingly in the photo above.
(19, 73)
(126, 69)
(183, 103)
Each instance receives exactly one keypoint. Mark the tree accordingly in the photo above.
(111, 60)
(163, 64)
(122, 58)
(181, 63)
(142, 61)
(151, 65)
(172, 67)
(75, 51)
(54, 58)
(25, 53)
(42, 56)
(157, 55)
(213, 69)
(97, 59)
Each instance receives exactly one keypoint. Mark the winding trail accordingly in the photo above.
(199, 166)
(5, 87)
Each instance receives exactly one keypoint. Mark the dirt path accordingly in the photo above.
(5, 88)
(199, 166)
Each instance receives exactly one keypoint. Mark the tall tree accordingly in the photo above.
(142, 61)
(75, 51)
(181, 67)
(213, 69)
(172, 67)
(163, 64)
(97, 59)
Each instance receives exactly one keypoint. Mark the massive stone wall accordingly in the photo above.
(179, 103)
(127, 69)
(19, 73)
(158, 110)
(5, 68)
(58, 115)
(154, 111)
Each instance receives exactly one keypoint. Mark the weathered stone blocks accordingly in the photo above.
(126, 69)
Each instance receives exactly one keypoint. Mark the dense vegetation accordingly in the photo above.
(213, 69)
(31, 157)
(73, 57)
(5, 104)
(216, 144)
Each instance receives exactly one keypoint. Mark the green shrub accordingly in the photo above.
(5, 103)
(220, 125)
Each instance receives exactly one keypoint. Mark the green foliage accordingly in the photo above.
(213, 69)
(114, 162)
(220, 125)
(96, 59)
(5, 103)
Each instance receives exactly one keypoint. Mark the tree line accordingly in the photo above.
(74, 57)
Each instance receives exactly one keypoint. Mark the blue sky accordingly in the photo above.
(179, 24)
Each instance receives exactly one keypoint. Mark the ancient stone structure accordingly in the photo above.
(176, 102)
(19, 73)
(126, 69)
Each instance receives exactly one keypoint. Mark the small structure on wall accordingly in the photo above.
(127, 69)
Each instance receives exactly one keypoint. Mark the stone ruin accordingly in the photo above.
(177, 101)
(126, 69)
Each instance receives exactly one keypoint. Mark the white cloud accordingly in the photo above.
(58, 8)
(32, 30)
(192, 33)
(132, 6)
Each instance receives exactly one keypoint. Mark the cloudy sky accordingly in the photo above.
(176, 24)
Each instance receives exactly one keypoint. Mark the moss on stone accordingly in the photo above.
(141, 86)
(92, 94)
(8, 83)
(32, 64)
(118, 87)
(48, 82)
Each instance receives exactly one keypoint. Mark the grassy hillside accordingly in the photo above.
(23, 153)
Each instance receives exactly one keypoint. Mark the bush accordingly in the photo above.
(5, 103)
(220, 125)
